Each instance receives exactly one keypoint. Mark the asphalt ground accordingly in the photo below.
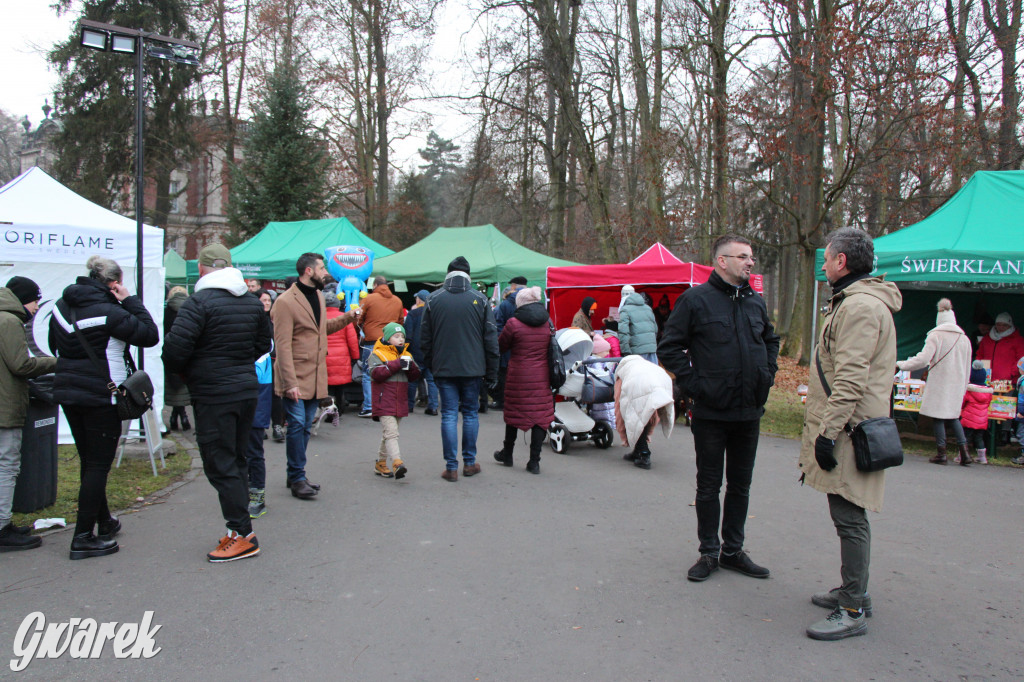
(578, 574)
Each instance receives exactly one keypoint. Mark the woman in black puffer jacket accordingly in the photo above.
(109, 319)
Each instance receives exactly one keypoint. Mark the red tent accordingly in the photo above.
(657, 271)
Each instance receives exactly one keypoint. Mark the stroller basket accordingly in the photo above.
(599, 381)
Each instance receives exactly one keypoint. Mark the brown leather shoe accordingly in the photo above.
(451, 475)
(302, 490)
(471, 470)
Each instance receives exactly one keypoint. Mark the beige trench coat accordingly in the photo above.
(857, 352)
(302, 345)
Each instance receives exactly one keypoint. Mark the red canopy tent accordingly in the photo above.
(657, 271)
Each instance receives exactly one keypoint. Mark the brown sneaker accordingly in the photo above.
(381, 469)
(450, 475)
(233, 547)
(471, 469)
(400, 469)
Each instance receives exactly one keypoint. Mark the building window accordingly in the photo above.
(175, 188)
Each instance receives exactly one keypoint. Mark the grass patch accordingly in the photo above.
(132, 480)
(783, 414)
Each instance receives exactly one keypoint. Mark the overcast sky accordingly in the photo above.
(26, 80)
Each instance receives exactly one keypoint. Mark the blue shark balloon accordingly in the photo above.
(351, 266)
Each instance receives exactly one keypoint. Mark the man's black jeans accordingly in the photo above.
(222, 433)
(729, 448)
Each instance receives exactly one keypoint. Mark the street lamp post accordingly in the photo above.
(108, 37)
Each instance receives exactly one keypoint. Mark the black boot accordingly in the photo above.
(87, 545)
(536, 443)
(185, 425)
(13, 540)
(643, 455)
(173, 426)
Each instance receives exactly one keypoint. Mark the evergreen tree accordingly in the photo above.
(440, 180)
(95, 103)
(284, 175)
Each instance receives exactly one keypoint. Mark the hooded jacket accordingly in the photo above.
(947, 354)
(857, 352)
(722, 349)
(1003, 354)
(528, 398)
(16, 365)
(638, 329)
(378, 309)
(390, 389)
(108, 327)
(458, 336)
(342, 349)
(219, 334)
(974, 410)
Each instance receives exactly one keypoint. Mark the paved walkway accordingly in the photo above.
(576, 574)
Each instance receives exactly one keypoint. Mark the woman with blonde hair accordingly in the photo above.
(99, 311)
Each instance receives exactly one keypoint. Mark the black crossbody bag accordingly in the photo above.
(876, 441)
(134, 397)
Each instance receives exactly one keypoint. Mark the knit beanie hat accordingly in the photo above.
(527, 295)
(390, 329)
(978, 373)
(601, 347)
(1004, 318)
(25, 289)
(460, 264)
(945, 315)
(423, 295)
(627, 290)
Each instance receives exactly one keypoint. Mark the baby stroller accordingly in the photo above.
(587, 381)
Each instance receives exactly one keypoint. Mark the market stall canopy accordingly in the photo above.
(493, 257)
(272, 253)
(976, 237)
(174, 268)
(656, 271)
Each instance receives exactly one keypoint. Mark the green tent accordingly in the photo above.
(174, 268)
(970, 250)
(272, 253)
(493, 257)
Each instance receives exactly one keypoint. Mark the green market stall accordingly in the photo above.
(970, 250)
(493, 258)
(272, 253)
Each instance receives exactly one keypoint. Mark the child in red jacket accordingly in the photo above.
(392, 368)
(974, 412)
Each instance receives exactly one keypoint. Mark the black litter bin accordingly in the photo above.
(36, 486)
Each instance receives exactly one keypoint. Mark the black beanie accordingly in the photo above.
(460, 264)
(25, 289)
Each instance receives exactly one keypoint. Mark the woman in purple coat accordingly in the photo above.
(529, 404)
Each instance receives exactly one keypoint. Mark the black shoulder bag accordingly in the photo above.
(556, 361)
(876, 441)
(135, 396)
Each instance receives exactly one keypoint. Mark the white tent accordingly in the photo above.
(49, 232)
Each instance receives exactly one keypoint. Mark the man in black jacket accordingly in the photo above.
(219, 333)
(723, 350)
(459, 342)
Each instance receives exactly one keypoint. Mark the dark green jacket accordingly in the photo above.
(16, 365)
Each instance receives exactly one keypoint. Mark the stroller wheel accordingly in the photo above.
(602, 435)
(559, 439)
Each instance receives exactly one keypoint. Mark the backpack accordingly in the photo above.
(556, 362)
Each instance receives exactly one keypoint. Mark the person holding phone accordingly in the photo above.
(391, 368)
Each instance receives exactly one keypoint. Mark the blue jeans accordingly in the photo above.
(364, 357)
(459, 394)
(299, 414)
(431, 390)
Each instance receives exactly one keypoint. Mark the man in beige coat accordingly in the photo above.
(300, 371)
(851, 380)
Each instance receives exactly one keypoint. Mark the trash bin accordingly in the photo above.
(36, 486)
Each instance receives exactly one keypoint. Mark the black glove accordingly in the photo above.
(491, 384)
(823, 448)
